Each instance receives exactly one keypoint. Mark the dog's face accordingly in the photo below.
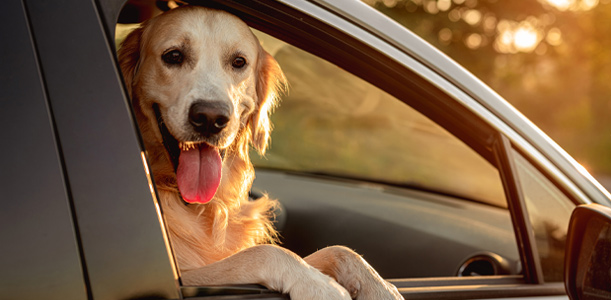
(200, 79)
(200, 70)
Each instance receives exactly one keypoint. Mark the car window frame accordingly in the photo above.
(525, 237)
(481, 136)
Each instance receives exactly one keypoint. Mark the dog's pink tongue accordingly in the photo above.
(199, 173)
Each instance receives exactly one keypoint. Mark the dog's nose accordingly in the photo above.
(208, 117)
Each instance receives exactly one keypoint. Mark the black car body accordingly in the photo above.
(80, 218)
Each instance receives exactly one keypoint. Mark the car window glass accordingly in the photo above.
(332, 122)
(549, 212)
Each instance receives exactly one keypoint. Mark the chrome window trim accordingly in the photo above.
(436, 68)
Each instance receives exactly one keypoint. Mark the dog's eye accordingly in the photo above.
(173, 57)
(238, 62)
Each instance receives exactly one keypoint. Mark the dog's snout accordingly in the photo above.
(209, 117)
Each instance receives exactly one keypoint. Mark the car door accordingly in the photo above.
(119, 233)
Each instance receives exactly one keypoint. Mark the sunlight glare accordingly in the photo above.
(588, 4)
(472, 17)
(561, 4)
(474, 41)
(444, 5)
(554, 37)
(390, 3)
(431, 7)
(516, 37)
(525, 39)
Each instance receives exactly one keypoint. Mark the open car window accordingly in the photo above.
(380, 177)
(332, 122)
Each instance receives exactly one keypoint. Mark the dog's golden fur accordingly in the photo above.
(202, 234)
(226, 241)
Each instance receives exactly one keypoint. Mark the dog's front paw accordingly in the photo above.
(370, 286)
(353, 273)
(317, 286)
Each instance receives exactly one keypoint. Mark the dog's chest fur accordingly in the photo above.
(203, 234)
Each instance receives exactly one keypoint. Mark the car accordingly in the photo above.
(382, 144)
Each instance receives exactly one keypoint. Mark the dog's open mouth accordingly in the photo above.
(197, 165)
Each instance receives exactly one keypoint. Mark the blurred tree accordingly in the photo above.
(549, 58)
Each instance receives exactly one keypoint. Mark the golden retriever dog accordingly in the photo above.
(202, 88)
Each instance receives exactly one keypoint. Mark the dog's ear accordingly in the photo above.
(270, 82)
(129, 56)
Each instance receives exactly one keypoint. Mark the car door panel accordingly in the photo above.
(37, 240)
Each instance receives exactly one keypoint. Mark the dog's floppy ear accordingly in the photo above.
(270, 82)
(129, 56)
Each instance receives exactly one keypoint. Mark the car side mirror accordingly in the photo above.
(587, 266)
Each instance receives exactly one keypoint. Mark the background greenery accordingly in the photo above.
(549, 58)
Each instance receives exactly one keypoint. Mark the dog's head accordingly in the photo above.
(201, 87)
